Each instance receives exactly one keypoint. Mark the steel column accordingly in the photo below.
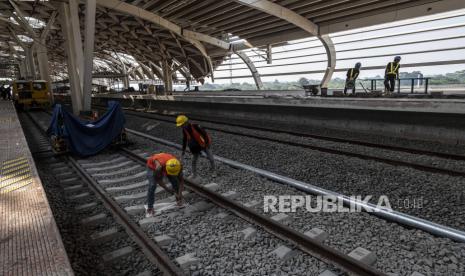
(88, 54)
(22, 69)
(30, 62)
(72, 64)
(42, 59)
(77, 41)
(167, 78)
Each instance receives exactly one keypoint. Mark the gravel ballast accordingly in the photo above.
(441, 197)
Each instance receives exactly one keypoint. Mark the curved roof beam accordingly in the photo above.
(193, 37)
(292, 17)
(162, 22)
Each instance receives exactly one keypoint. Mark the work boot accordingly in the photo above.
(150, 212)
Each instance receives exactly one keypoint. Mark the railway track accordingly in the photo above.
(332, 150)
(100, 214)
(119, 181)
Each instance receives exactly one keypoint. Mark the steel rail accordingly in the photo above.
(390, 215)
(151, 250)
(309, 245)
(315, 136)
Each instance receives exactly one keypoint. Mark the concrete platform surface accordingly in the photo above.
(30, 243)
(433, 105)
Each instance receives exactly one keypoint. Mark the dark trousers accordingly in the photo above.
(349, 83)
(153, 186)
(390, 83)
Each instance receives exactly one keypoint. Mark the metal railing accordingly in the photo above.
(401, 83)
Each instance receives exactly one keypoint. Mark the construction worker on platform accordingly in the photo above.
(352, 75)
(391, 75)
(159, 167)
(198, 140)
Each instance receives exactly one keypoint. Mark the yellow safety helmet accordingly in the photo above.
(173, 167)
(181, 120)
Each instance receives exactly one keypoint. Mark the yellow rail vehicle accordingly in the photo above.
(31, 94)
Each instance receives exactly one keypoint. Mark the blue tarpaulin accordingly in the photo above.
(86, 138)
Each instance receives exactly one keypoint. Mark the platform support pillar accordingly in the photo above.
(167, 78)
(91, 6)
(71, 50)
(42, 59)
(30, 62)
(331, 56)
(251, 66)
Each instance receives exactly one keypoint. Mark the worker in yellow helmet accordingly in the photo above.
(159, 166)
(198, 140)
(391, 75)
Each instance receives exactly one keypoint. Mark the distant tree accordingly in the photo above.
(304, 81)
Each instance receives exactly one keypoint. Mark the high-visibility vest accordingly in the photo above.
(393, 70)
(351, 73)
(162, 158)
(202, 141)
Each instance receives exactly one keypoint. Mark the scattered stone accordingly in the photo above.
(105, 236)
(94, 220)
(187, 260)
(163, 240)
(284, 253)
(317, 234)
(282, 218)
(363, 255)
(117, 254)
(248, 233)
(415, 273)
(222, 215)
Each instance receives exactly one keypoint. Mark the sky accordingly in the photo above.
(447, 25)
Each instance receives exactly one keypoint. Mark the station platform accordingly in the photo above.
(30, 242)
(426, 119)
(298, 99)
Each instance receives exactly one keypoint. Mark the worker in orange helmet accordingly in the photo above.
(198, 140)
(159, 166)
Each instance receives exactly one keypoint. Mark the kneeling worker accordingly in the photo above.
(352, 75)
(391, 75)
(198, 140)
(159, 166)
